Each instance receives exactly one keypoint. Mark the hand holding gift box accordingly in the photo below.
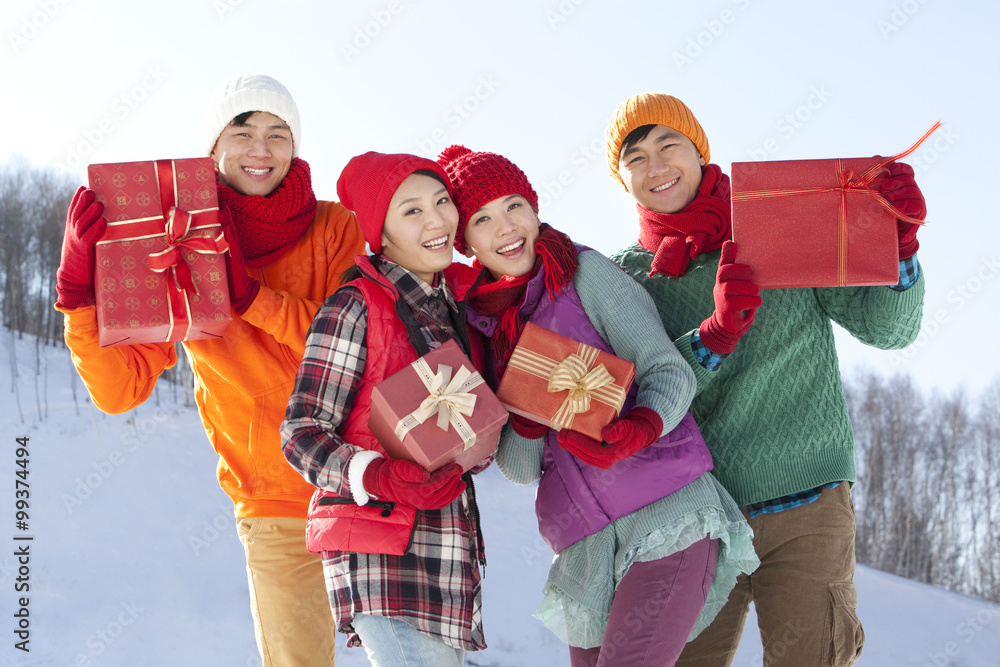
(564, 384)
(818, 223)
(437, 410)
(160, 274)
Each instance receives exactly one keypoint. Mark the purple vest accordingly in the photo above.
(575, 499)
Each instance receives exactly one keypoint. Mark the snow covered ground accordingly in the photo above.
(135, 560)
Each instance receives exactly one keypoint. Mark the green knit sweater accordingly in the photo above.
(774, 414)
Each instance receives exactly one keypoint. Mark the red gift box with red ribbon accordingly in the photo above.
(816, 223)
(160, 274)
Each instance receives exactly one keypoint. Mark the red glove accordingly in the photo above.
(84, 227)
(900, 189)
(527, 428)
(637, 430)
(405, 482)
(242, 288)
(737, 298)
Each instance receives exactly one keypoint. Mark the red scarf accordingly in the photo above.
(268, 226)
(502, 298)
(702, 226)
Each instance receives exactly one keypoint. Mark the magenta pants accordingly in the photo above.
(655, 607)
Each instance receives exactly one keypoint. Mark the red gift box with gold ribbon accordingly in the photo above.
(563, 383)
(160, 274)
(816, 223)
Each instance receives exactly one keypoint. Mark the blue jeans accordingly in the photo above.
(390, 642)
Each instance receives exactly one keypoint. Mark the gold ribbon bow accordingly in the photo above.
(450, 398)
(572, 374)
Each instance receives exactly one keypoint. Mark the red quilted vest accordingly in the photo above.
(335, 524)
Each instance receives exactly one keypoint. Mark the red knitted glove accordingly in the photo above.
(901, 190)
(242, 288)
(586, 449)
(637, 430)
(84, 227)
(527, 428)
(737, 298)
(640, 428)
(405, 482)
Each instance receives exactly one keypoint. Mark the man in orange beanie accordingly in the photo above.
(769, 402)
(287, 253)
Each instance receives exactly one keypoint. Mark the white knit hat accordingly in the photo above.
(251, 92)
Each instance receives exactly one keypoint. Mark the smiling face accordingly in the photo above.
(662, 171)
(420, 226)
(502, 236)
(255, 157)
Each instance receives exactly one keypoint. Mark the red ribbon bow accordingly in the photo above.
(178, 226)
(849, 181)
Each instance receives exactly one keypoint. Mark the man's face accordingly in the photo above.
(663, 171)
(254, 158)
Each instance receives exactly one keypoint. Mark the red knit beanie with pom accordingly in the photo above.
(369, 181)
(479, 178)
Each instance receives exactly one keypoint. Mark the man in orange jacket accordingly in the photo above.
(287, 254)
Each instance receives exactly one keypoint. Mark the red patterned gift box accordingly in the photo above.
(161, 273)
(562, 383)
(816, 223)
(437, 410)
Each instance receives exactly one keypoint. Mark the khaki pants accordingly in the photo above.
(291, 611)
(803, 591)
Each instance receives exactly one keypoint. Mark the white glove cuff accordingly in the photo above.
(356, 473)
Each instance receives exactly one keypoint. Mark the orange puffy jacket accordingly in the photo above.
(242, 380)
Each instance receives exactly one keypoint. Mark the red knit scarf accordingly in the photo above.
(502, 298)
(268, 226)
(702, 226)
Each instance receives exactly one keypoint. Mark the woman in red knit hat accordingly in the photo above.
(648, 544)
(395, 539)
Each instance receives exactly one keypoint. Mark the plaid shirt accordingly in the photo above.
(435, 586)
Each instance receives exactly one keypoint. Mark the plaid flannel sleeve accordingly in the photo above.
(709, 360)
(324, 392)
(909, 271)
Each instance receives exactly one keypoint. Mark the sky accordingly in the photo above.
(538, 81)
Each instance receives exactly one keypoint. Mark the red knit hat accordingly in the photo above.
(368, 183)
(478, 179)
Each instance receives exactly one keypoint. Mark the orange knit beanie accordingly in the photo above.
(652, 109)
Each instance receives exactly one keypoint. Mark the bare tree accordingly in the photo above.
(927, 483)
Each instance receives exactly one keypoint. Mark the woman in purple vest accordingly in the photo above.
(648, 544)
